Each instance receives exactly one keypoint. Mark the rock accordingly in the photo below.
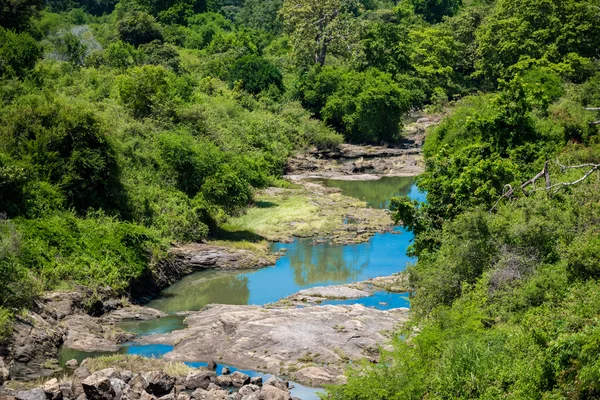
(119, 386)
(213, 386)
(224, 380)
(183, 396)
(4, 373)
(248, 390)
(98, 387)
(225, 371)
(65, 389)
(200, 379)
(126, 376)
(256, 380)
(108, 373)
(212, 365)
(159, 383)
(169, 396)
(239, 379)
(81, 373)
(138, 383)
(198, 393)
(269, 392)
(147, 396)
(33, 394)
(52, 389)
(317, 376)
(281, 338)
(334, 292)
(278, 383)
(73, 363)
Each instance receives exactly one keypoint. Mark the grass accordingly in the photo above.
(137, 364)
(280, 214)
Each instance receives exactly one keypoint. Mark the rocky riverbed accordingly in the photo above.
(312, 345)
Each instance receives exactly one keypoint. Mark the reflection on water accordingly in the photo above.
(376, 193)
(304, 264)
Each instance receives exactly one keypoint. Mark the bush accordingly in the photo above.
(146, 91)
(137, 28)
(255, 74)
(18, 53)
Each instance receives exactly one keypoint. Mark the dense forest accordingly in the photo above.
(129, 125)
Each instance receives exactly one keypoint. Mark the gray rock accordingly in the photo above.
(126, 376)
(198, 393)
(33, 394)
(98, 387)
(269, 392)
(278, 383)
(224, 380)
(225, 371)
(213, 386)
(212, 365)
(119, 386)
(159, 383)
(73, 363)
(183, 396)
(82, 373)
(256, 380)
(65, 388)
(108, 373)
(52, 389)
(248, 390)
(4, 373)
(239, 379)
(200, 379)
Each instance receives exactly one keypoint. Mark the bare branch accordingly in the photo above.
(508, 191)
(592, 109)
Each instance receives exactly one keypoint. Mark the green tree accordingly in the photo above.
(18, 53)
(145, 91)
(70, 48)
(137, 28)
(319, 27)
(434, 10)
(255, 74)
(16, 14)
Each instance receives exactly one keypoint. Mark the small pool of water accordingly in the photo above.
(380, 300)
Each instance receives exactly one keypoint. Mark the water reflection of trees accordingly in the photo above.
(316, 264)
(376, 193)
(195, 291)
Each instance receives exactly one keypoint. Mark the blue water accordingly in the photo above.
(380, 300)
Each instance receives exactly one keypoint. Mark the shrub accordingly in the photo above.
(137, 28)
(18, 53)
(146, 91)
(255, 74)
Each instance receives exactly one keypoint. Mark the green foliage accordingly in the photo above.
(523, 31)
(70, 48)
(16, 14)
(365, 106)
(255, 74)
(137, 28)
(145, 91)
(261, 14)
(156, 53)
(434, 10)
(18, 53)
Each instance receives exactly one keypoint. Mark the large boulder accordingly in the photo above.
(200, 379)
(159, 383)
(239, 379)
(98, 387)
(33, 394)
(269, 392)
(278, 383)
(52, 390)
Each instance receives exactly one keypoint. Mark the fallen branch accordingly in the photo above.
(508, 191)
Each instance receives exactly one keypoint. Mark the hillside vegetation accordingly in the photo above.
(129, 125)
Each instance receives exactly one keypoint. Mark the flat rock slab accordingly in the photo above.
(283, 341)
(334, 292)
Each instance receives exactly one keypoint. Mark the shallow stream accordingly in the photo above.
(302, 266)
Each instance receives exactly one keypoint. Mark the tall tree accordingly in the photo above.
(318, 27)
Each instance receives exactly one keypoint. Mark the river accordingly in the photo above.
(303, 265)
